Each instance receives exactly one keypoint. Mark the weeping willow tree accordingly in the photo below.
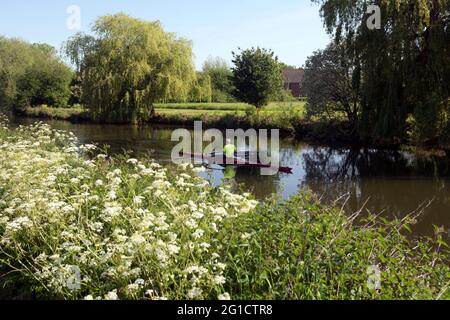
(202, 89)
(128, 65)
(405, 64)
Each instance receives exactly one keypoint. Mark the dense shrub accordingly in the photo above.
(45, 82)
(32, 74)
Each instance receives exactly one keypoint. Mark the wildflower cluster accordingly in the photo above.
(76, 225)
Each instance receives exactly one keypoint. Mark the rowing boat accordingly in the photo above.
(222, 160)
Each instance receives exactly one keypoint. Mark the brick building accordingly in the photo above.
(293, 80)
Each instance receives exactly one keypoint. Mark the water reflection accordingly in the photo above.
(395, 183)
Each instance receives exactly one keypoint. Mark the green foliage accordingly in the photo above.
(77, 48)
(220, 74)
(302, 249)
(331, 83)
(405, 66)
(15, 57)
(285, 96)
(76, 90)
(129, 65)
(46, 81)
(201, 91)
(32, 74)
(256, 76)
(285, 66)
(74, 113)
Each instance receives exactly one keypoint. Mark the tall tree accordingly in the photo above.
(256, 76)
(332, 83)
(32, 74)
(202, 89)
(129, 65)
(46, 81)
(405, 64)
(77, 48)
(15, 57)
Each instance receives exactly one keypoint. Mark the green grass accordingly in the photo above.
(189, 109)
(229, 108)
(197, 112)
(276, 115)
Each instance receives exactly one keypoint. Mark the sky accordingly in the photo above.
(291, 28)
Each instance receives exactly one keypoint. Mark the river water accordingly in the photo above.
(389, 183)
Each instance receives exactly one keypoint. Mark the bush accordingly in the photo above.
(256, 77)
(32, 74)
(220, 73)
(130, 229)
(45, 82)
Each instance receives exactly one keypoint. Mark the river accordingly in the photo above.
(389, 183)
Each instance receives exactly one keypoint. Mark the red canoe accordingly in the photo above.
(236, 161)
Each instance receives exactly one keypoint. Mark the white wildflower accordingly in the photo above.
(132, 161)
(138, 200)
(224, 296)
(219, 280)
(137, 239)
(112, 295)
(198, 233)
(111, 195)
(199, 169)
(194, 293)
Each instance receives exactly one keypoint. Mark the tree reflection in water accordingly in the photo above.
(395, 183)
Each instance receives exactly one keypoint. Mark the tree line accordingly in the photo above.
(32, 74)
(389, 84)
(124, 67)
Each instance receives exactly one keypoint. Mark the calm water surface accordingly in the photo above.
(388, 182)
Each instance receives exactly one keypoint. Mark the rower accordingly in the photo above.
(229, 149)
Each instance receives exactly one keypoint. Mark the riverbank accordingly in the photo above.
(75, 224)
(220, 116)
(289, 118)
(68, 114)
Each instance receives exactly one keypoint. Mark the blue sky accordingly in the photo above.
(292, 28)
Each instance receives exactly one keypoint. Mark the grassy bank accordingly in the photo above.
(225, 115)
(289, 118)
(69, 114)
(241, 108)
(76, 224)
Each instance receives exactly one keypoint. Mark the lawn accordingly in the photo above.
(275, 115)
(227, 108)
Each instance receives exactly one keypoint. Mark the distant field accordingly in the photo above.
(226, 108)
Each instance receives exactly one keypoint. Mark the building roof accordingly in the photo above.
(293, 75)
